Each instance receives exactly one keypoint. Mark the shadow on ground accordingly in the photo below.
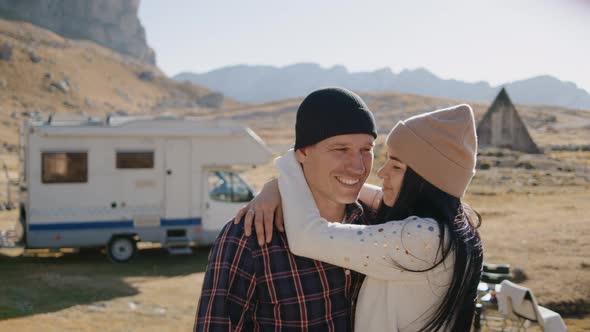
(34, 285)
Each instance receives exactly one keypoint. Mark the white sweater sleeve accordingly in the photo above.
(381, 251)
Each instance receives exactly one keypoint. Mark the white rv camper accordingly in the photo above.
(121, 180)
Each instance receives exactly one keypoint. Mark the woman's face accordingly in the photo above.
(392, 174)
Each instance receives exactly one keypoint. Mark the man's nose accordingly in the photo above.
(357, 163)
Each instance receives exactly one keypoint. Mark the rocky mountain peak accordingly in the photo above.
(110, 23)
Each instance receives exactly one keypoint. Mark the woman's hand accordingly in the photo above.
(263, 210)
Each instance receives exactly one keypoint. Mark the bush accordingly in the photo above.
(525, 165)
(484, 165)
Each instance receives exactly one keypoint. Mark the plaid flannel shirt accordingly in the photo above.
(253, 288)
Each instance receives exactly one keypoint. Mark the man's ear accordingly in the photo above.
(301, 155)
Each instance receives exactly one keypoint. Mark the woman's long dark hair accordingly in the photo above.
(420, 198)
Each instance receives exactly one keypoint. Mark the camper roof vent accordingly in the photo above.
(166, 117)
(72, 120)
(116, 120)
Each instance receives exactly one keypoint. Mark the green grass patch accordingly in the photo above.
(33, 285)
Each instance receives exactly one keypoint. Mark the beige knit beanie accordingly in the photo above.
(441, 146)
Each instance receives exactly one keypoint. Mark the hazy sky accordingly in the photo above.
(497, 41)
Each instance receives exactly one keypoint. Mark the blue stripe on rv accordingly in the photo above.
(108, 224)
(180, 222)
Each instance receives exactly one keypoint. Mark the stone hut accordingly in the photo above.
(501, 126)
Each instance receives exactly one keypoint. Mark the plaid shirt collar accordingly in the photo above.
(353, 212)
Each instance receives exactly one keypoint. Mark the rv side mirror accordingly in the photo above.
(250, 196)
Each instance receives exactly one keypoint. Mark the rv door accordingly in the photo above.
(177, 179)
(224, 192)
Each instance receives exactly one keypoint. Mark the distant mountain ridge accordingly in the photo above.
(259, 84)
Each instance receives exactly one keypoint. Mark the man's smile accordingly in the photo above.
(347, 180)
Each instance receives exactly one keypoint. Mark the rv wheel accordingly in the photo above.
(121, 249)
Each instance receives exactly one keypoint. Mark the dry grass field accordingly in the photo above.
(81, 77)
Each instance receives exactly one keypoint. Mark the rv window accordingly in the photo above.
(228, 187)
(135, 159)
(64, 167)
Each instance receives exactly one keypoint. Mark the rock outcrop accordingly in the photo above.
(111, 23)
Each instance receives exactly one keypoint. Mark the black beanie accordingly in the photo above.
(330, 112)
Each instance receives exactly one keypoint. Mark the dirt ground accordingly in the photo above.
(73, 293)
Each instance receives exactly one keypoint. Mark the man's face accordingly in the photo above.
(337, 167)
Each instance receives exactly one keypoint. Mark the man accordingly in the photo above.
(253, 288)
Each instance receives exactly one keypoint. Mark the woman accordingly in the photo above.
(423, 257)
